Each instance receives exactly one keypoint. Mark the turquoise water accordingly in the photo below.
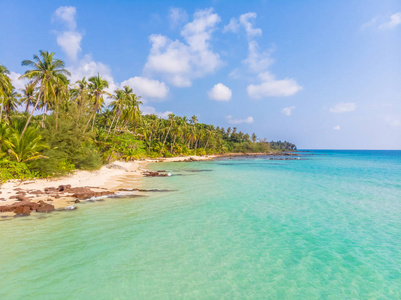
(324, 227)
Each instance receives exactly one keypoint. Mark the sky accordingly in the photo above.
(320, 74)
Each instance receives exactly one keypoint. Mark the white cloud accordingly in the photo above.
(394, 21)
(245, 21)
(177, 16)
(235, 74)
(146, 87)
(233, 26)
(220, 92)
(384, 23)
(338, 127)
(258, 61)
(343, 108)
(87, 67)
(271, 87)
(69, 40)
(66, 14)
(149, 110)
(288, 110)
(19, 84)
(233, 121)
(181, 62)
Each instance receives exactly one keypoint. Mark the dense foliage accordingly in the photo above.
(52, 126)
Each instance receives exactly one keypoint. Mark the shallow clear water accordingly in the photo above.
(327, 226)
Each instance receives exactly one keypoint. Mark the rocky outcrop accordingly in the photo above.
(26, 207)
(154, 174)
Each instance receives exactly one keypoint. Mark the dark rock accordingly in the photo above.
(77, 201)
(23, 210)
(154, 174)
(36, 192)
(114, 166)
(44, 207)
(63, 188)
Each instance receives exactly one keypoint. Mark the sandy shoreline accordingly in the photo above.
(109, 178)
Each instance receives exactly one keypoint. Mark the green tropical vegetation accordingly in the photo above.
(53, 126)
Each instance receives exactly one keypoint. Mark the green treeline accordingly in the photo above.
(54, 126)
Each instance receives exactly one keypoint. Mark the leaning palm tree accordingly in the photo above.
(46, 72)
(119, 99)
(97, 88)
(132, 112)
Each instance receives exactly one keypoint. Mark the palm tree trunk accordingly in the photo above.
(207, 142)
(56, 117)
(93, 121)
(33, 110)
(27, 105)
(115, 126)
(168, 131)
(112, 122)
(86, 126)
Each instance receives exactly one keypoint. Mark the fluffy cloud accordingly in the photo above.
(288, 110)
(177, 16)
(338, 127)
(233, 121)
(258, 61)
(271, 87)
(69, 40)
(220, 92)
(181, 62)
(149, 110)
(87, 67)
(66, 14)
(394, 21)
(146, 87)
(343, 108)
(19, 84)
(245, 21)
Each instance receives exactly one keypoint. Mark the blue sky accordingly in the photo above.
(322, 74)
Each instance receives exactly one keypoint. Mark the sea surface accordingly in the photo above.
(326, 226)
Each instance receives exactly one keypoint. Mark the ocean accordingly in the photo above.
(326, 226)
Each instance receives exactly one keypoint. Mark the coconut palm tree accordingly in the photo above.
(97, 86)
(133, 114)
(171, 118)
(28, 95)
(46, 72)
(10, 103)
(5, 87)
(117, 105)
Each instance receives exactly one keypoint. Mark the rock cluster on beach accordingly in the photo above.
(25, 205)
